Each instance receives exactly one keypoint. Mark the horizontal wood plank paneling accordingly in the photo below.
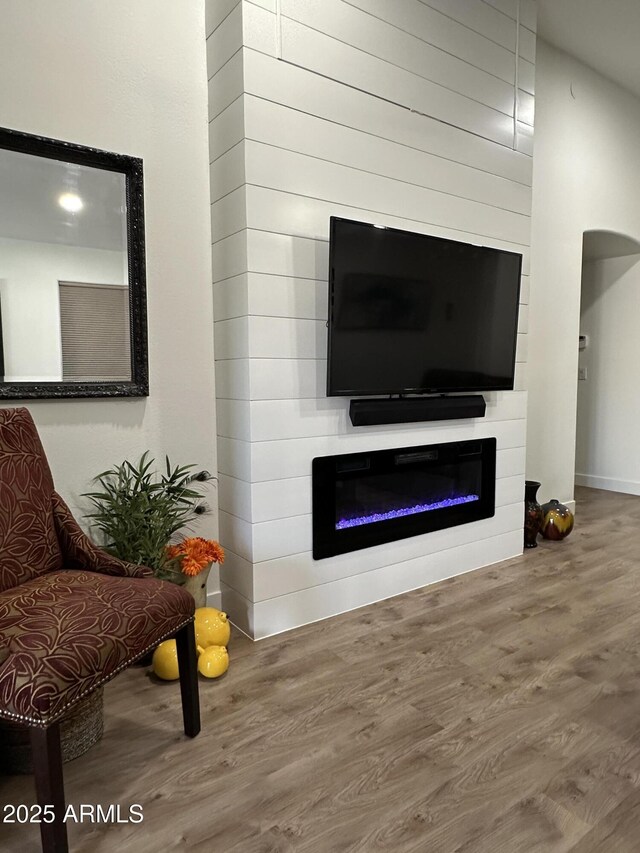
(309, 605)
(527, 44)
(236, 537)
(227, 172)
(480, 18)
(229, 214)
(522, 347)
(527, 76)
(285, 84)
(282, 337)
(524, 138)
(278, 459)
(521, 382)
(285, 573)
(240, 607)
(285, 379)
(234, 458)
(273, 460)
(510, 462)
(303, 257)
(229, 256)
(323, 55)
(226, 85)
(232, 379)
(224, 41)
(288, 215)
(283, 548)
(215, 12)
(283, 254)
(348, 23)
(526, 10)
(270, 296)
(286, 338)
(231, 297)
(272, 420)
(301, 298)
(449, 35)
(232, 338)
(235, 497)
(528, 14)
(310, 177)
(281, 296)
(260, 26)
(237, 571)
(269, 5)
(525, 108)
(330, 131)
(233, 419)
(287, 128)
(226, 129)
(287, 498)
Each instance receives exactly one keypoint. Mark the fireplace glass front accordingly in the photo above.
(366, 499)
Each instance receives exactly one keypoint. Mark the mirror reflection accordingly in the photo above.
(64, 288)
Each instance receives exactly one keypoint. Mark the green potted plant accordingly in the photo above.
(139, 511)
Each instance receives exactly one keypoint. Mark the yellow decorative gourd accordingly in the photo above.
(212, 627)
(165, 661)
(213, 661)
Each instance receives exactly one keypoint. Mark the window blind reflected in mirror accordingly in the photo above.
(95, 335)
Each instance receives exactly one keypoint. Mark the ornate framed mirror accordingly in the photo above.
(73, 319)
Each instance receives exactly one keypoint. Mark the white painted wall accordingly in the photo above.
(607, 454)
(585, 177)
(130, 77)
(30, 294)
(396, 113)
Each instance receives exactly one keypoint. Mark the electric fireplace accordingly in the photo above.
(365, 499)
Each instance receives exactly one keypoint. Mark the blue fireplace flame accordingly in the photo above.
(344, 523)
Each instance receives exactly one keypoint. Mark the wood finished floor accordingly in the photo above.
(496, 711)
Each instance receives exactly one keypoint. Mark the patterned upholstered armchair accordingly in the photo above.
(71, 616)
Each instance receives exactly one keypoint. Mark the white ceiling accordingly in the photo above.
(29, 210)
(601, 33)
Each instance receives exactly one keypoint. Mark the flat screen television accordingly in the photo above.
(415, 314)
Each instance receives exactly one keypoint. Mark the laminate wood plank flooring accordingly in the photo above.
(495, 711)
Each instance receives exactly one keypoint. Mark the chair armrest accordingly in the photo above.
(79, 552)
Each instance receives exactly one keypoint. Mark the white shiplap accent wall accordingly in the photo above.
(415, 114)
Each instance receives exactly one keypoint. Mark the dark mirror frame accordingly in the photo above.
(131, 168)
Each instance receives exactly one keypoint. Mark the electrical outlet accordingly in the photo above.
(582, 373)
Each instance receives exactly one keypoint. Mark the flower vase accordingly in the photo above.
(557, 520)
(197, 586)
(532, 514)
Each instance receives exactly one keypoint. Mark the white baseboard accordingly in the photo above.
(609, 484)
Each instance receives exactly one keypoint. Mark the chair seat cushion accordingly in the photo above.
(70, 631)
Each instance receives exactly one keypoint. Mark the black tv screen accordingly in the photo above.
(410, 313)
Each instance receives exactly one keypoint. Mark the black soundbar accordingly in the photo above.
(412, 409)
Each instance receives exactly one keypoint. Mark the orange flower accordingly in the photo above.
(196, 553)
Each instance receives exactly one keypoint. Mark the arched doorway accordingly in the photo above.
(608, 405)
